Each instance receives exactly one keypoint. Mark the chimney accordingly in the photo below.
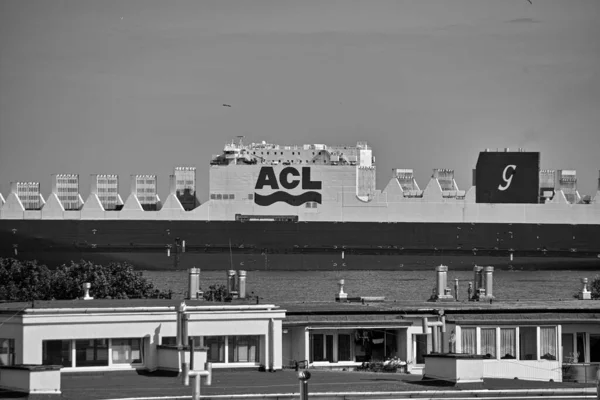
(86, 290)
(488, 278)
(585, 294)
(193, 283)
(341, 296)
(242, 284)
(477, 281)
(442, 292)
(231, 287)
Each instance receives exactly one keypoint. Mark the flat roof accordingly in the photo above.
(578, 309)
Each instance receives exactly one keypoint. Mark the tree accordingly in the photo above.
(25, 281)
(595, 287)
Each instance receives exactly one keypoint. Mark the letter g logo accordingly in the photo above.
(509, 179)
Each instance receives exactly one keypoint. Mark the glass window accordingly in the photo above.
(548, 343)
(216, 348)
(594, 348)
(580, 347)
(508, 343)
(568, 354)
(56, 352)
(168, 341)
(421, 348)
(317, 347)
(243, 348)
(527, 343)
(126, 351)
(7, 351)
(91, 353)
(344, 353)
(488, 342)
(469, 340)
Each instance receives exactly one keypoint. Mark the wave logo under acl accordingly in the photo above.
(289, 178)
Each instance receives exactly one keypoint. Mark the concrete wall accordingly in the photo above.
(537, 370)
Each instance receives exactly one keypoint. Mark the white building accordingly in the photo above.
(84, 335)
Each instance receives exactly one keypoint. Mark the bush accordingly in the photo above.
(26, 281)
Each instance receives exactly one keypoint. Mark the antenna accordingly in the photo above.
(240, 141)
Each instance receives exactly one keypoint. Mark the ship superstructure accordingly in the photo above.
(312, 201)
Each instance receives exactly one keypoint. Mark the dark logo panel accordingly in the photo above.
(287, 198)
(507, 177)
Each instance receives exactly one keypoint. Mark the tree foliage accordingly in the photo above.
(595, 287)
(27, 280)
(216, 293)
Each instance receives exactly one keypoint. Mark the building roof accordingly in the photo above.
(122, 304)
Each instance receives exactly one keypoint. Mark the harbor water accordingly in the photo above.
(402, 285)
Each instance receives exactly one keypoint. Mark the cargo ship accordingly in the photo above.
(312, 207)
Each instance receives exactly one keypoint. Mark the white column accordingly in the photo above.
(498, 340)
(559, 356)
(306, 344)
(226, 350)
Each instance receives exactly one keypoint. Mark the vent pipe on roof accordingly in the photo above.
(231, 284)
(86, 290)
(585, 294)
(341, 296)
(506, 149)
(194, 292)
(242, 284)
(442, 291)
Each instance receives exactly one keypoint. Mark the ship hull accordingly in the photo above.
(304, 245)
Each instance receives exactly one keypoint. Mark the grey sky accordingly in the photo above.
(137, 86)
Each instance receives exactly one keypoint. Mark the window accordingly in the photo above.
(580, 347)
(7, 351)
(527, 343)
(469, 340)
(569, 355)
(57, 352)
(420, 348)
(594, 348)
(243, 348)
(216, 348)
(548, 343)
(508, 344)
(344, 353)
(91, 353)
(317, 347)
(126, 351)
(488, 342)
(168, 341)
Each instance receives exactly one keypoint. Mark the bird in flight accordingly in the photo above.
(529, 1)
(226, 105)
